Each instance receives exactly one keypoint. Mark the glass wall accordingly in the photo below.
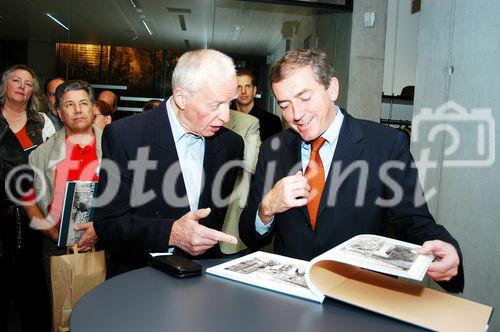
(132, 45)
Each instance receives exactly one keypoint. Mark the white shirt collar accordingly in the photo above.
(333, 131)
(178, 131)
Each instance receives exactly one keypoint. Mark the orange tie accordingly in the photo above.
(315, 175)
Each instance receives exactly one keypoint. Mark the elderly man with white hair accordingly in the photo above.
(172, 169)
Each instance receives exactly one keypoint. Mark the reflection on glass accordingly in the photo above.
(141, 70)
(107, 42)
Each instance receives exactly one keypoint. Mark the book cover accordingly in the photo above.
(77, 209)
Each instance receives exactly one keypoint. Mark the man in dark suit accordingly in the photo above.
(367, 180)
(269, 123)
(168, 166)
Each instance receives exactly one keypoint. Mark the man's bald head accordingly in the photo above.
(110, 98)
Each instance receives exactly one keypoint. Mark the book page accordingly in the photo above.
(381, 254)
(270, 271)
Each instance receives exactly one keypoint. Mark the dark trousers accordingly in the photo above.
(50, 249)
(22, 278)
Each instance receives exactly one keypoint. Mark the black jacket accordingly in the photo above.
(131, 232)
(270, 124)
(11, 156)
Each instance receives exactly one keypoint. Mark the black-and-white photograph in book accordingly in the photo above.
(292, 276)
(278, 273)
(272, 270)
(378, 250)
(81, 208)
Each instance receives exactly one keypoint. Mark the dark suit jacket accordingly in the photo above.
(129, 232)
(270, 124)
(358, 141)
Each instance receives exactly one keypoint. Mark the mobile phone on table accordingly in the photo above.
(176, 265)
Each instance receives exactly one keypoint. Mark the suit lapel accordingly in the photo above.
(292, 158)
(347, 151)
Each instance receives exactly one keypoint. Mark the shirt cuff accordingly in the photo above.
(260, 227)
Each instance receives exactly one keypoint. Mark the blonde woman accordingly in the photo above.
(19, 102)
(23, 278)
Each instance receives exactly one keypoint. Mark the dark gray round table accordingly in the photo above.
(150, 300)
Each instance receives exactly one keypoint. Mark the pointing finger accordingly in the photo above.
(220, 236)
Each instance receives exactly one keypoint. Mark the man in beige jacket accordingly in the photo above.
(247, 126)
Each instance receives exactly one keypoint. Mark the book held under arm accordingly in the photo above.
(77, 209)
(346, 273)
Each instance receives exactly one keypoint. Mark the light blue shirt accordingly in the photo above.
(331, 135)
(191, 150)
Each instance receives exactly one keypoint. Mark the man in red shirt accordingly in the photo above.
(72, 154)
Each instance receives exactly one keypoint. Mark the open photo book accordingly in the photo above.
(352, 273)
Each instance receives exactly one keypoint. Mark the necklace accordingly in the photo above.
(21, 116)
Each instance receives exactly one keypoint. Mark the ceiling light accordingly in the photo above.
(55, 19)
(147, 28)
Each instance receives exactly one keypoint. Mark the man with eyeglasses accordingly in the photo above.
(72, 154)
(50, 93)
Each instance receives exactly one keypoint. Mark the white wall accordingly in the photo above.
(366, 60)
(333, 33)
(401, 47)
(304, 30)
(465, 36)
(397, 111)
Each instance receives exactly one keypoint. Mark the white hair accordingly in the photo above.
(199, 68)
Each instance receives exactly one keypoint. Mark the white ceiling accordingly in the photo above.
(210, 23)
